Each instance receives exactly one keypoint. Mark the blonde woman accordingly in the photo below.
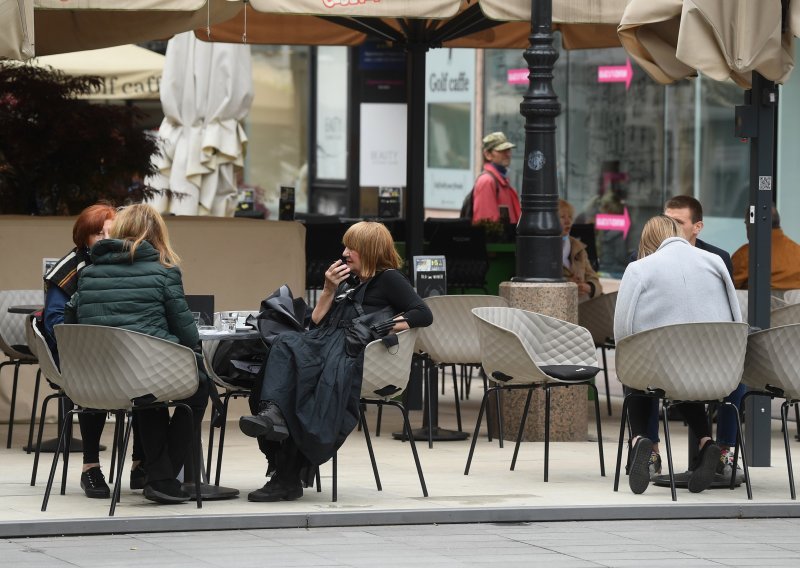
(672, 282)
(311, 383)
(135, 283)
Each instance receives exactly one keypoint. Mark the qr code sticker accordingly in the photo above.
(764, 183)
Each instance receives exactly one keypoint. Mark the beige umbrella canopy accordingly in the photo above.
(63, 26)
(445, 23)
(674, 39)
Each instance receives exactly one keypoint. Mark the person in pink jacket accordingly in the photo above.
(492, 192)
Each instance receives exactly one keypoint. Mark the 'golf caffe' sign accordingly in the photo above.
(116, 87)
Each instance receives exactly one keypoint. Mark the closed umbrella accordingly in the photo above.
(206, 94)
(674, 39)
(16, 29)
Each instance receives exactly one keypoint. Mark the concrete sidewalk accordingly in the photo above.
(491, 493)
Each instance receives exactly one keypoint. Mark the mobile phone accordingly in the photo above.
(352, 279)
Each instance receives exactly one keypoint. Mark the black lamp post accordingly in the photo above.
(539, 228)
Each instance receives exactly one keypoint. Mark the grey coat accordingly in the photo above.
(678, 283)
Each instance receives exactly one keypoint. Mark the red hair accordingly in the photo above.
(90, 222)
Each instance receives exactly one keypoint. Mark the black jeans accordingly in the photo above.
(640, 409)
(167, 441)
(92, 426)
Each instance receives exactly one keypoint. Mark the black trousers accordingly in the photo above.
(91, 426)
(640, 409)
(167, 440)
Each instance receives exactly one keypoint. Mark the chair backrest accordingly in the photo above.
(107, 367)
(744, 295)
(597, 315)
(453, 335)
(12, 326)
(42, 351)
(785, 315)
(773, 358)
(386, 370)
(689, 361)
(516, 342)
(791, 296)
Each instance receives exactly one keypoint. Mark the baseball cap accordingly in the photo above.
(496, 141)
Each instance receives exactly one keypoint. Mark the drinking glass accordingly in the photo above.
(228, 321)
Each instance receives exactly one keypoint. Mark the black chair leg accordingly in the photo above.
(48, 488)
(599, 429)
(13, 404)
(458, 403)
(665, 416)
(522, 426)
(29, 447)
(222, 431)
(335, 482)
(622, 423)
(378, 424)
(797, 420)
(485, 389)
(69, 419)
(498, 401)
(745, 466)
(546, 431)
(115, 494)
(369, 448)
(784, 413)
(429, 386)
(407, 429)
(478, 427)
(605, 375)
(37, 454)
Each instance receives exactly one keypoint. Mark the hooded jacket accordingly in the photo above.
(138, 294)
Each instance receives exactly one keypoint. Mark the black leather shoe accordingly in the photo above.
(138, 477)
(268, 422)
(639, 474)
(276, 490)
(705, 467)
(93, 483)
(165, 491)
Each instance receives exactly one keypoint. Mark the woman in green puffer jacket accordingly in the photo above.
(134, 283)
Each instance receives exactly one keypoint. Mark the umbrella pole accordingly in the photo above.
(539, 228)
(415, 173)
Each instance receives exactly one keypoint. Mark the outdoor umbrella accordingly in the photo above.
(674, 39)
(16, 29)
(129, 72)
(62, 26)
(418, 25)
(206, 93)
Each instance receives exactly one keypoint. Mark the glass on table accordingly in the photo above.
(227, 321)
(196, 317)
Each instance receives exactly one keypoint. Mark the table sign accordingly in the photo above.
(430, 276)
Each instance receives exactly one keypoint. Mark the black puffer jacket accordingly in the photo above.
(142, 295)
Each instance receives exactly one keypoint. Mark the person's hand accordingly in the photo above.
(584, 288)
(335, 275)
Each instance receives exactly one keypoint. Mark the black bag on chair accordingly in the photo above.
(239, 361)
(367, 328)
(280, 312)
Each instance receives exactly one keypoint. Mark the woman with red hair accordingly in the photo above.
(61, 282)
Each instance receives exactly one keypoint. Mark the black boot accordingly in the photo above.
(285, 483)
(268, 422)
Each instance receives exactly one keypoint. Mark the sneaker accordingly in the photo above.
(93, 483)
(165, 491)
(276, 490)
(705, 467)
(639, 476)
(725, 467)
(269, 422)
(654, 465)
(138, 477)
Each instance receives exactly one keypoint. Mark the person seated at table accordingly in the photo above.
(60, 282)
(575, 259)
(672, 282)
(311, 385)
(134, 283)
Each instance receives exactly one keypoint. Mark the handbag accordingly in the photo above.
(366, 328)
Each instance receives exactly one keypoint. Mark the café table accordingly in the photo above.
(210, 338)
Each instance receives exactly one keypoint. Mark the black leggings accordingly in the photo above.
(91, 426)
(640, 408)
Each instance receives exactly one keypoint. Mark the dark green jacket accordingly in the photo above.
(142, 295)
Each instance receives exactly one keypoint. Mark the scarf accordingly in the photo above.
(65, 273)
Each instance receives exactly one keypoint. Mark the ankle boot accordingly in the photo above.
(269, 422)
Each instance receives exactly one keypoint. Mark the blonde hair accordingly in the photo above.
(374, 243)
(141, 222)
(564, 205)
(655, 232)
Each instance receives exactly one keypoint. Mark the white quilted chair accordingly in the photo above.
(50, 370)
(689, 362)
(526, 350)
(14, 345)
(597, 315)
(792, 296)
(385, 377)
(772, 368)
(744, 300)
(452, 339)
(108, 368)
(229, 391)
(784, 315)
